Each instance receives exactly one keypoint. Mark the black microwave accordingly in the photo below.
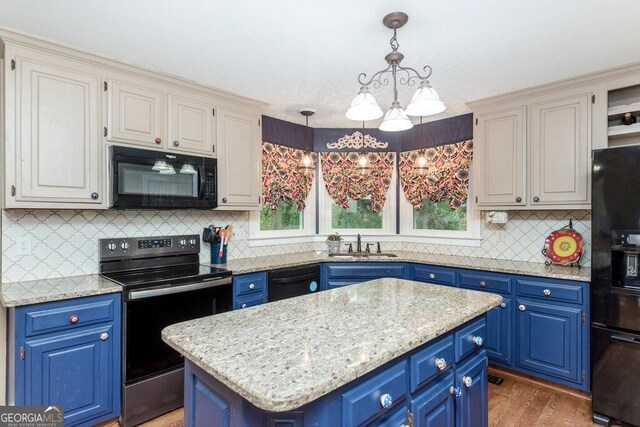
(146, 179)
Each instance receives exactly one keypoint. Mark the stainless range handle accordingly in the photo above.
(625, 339)
(148, 293)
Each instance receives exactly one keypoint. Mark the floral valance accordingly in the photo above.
(443, 173)
(281, 176)
(344, 181)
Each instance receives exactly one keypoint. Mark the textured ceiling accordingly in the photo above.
(302, 53)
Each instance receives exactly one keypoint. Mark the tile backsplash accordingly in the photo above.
(65, 242)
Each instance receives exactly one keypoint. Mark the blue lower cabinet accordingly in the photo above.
(550, 339)
(435, 407)
(431, 274)
(499, 333)
(338, 274)
(471, 392)
(249, 290)
(77, 367)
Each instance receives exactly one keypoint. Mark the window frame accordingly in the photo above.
(389, 210)
(308, 220)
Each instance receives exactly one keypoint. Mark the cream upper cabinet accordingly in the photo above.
(559, 151)
(135, 114)
(191, 125)
(53, 153)
(239, 155)
(499, 158)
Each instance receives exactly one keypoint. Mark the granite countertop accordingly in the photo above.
(249, 265)
(283, 355)
(47, 290)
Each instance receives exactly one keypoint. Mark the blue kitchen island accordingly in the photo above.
(387, 352)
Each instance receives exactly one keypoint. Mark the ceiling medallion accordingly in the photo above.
(357, 140)
(425, 101)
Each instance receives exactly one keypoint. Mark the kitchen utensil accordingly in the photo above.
(229, 232)
(223, 235)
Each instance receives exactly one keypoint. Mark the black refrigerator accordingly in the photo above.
(615, 285)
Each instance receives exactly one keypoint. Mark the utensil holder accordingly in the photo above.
(215, 253)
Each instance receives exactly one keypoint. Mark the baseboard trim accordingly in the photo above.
(503, 372)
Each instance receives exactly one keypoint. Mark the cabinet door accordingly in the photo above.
(560, 151)
(435, 407)
(57, 149)
(134, 114)
(499, 332)
(499, 158)
(74, 371)
(549, 339)
(238, 160)
(471, 382)
(191, 126)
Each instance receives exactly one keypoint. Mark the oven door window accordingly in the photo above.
(145, 353)
(170, 181)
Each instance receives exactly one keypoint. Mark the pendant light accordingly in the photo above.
(364, 165)
(425, 101)
(420, 165)
(306, 163)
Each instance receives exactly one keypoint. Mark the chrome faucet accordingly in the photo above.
(359, 244)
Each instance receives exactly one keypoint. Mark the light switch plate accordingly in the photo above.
(23, 246)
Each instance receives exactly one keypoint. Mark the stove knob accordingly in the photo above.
(182, 242)
(124, 246)
(112, 246)
(192, 242)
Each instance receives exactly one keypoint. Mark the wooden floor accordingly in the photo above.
(518, 401)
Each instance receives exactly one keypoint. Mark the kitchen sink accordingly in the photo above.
(363, 255)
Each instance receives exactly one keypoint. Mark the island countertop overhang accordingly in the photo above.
(283, 355)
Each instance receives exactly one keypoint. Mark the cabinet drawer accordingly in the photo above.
(249, 283)
(362, 402)
(247, 301)
(365, 270)
(470, 338)
(550, 291)
(60, 316)
(422, 365)
(427, 273)
(486, 282)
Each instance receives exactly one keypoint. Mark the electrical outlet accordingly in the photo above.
(238, 233)
(23, 246)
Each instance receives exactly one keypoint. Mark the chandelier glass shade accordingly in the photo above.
(306, 165)
(425, 101)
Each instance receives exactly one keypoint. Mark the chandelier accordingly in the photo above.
(425, 101)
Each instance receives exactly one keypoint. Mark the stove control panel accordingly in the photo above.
(147, 247)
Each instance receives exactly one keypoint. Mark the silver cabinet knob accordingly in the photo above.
(386, 401)
(73, 319)
(224, 200)
(467, 381)
(483, 284)
(455, 391)
(441, 364)
(176, 143)
(536, 199)
(94, 195)
(432, 276)
(252, 286)
(244, 305)
(546, 292)
(104, 336)
(503, 304)
(522, 307)
(478, 341)
(518, 199)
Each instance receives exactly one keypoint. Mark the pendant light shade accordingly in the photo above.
(159, 165)
(421, 165)
(306, 165)
(187, 169)
(169, 170)
(396, 119)
(364, 107)
(425, 101)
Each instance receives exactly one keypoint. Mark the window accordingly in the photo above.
(358, 217)
(439, 216)
(286, 217)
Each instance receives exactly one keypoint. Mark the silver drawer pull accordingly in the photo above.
(503, 304)
(483, 284)
(244, 305)
(252, 286)
(432, 276)
(477, 341)
(386, 401)
(441, 364)
(522, 307)
(73, 319)
(546, 292)
(104, 336)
